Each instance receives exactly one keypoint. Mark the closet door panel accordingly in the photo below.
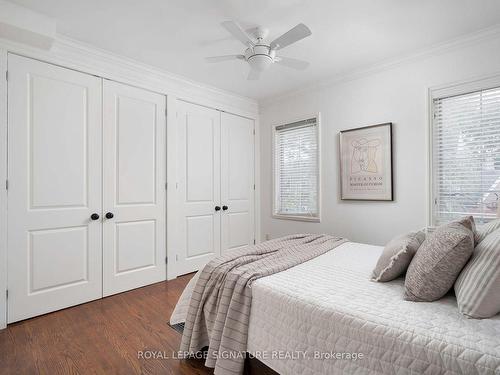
(54, 187)
(237, 181)
(134, 165)
(198, 154)
(136, 151)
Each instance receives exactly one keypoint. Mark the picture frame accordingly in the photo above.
(366, 163)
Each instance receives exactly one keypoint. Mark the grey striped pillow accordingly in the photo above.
(478, 286)
(483, 230)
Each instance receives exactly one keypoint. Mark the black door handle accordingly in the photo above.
(217, 208)
(94, 216)
(109, 215)
(225, 208)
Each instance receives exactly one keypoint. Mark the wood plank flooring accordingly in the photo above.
(101, 337)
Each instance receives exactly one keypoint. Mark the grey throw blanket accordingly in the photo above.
(219, 309)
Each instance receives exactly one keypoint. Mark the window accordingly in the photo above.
(466, 156)
(296, 170)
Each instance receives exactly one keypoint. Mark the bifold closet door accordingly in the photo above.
(54, 194)
(198, 187)
(134, 194)
(237, 182)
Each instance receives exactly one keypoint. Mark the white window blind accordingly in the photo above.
(466, 156)
(296, 169)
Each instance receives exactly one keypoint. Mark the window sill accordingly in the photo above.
(313, 219)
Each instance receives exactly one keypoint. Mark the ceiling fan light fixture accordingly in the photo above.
(260, 62)
(260, 57)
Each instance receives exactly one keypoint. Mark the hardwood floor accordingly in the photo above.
(101, 337)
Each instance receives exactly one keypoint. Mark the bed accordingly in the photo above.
(303, 319)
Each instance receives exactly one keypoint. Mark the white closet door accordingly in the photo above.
(134, 174)
(237, 181)
(198, 154)
(54, 258)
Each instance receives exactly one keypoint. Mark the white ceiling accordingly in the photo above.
(176, 35)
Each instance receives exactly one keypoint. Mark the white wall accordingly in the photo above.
(398, 95)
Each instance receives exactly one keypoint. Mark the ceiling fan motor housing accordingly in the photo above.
(260, 56)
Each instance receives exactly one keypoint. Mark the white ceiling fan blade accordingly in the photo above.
(292, 63)
(299, 32)
(254, 75)
(237, 31)
(214, 59)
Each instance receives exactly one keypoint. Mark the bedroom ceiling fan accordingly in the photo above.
(260, 55)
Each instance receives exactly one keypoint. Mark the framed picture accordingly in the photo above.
(366, 163)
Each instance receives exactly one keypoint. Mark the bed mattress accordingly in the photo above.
(326, 317)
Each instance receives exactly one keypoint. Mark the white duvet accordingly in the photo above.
(304, 319)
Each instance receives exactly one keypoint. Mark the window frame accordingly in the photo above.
(274, 213)
(441, 92)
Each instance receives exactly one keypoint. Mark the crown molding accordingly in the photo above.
(440, 48)
(77, 55)
(26, 26)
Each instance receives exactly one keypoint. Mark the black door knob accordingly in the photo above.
(94, 216)
(109, 215)
(217, 208)
(225, 208)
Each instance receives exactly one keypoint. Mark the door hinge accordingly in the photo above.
(254, 132)
(166, 185)
(7, 293)
(166, 112)
(6, 184)
(254, 241)
(166, 260)
(254, 186)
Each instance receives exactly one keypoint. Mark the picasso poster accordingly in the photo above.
(366, 163)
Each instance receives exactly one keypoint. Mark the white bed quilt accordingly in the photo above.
(328, 305)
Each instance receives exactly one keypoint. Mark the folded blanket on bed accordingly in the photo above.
(219, 309)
